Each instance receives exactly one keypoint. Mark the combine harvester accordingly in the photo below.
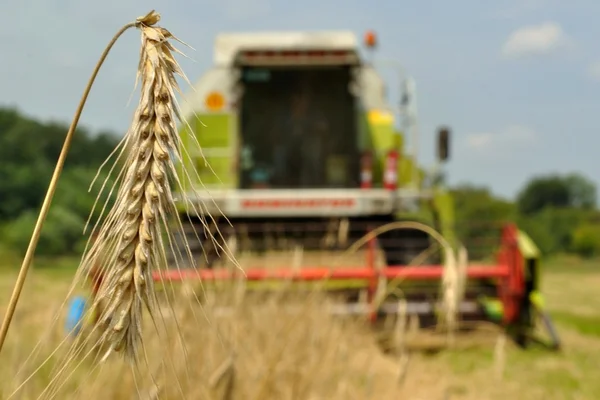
(299, 145)
(298, 138)
(298, 141)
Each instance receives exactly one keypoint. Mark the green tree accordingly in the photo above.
(586, 240)
(479, 218)
(582, 192)
(29, 150)
(62, 233)
(554, 207)
(552, 228)
(557, 191)
(542, 192)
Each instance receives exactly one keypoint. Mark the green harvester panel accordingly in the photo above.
(215, 133)
(381, 137)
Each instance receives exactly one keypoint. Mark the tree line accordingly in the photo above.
(29, 150)
(558, 211)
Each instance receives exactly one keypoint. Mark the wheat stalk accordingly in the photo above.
(129, 241)
(37, 230)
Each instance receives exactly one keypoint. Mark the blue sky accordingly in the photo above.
(518, 81)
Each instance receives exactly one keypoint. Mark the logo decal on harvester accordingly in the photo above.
(297, 203)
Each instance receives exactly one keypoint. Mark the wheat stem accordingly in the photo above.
(51, 189)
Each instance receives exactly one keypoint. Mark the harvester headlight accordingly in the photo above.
(215, 101)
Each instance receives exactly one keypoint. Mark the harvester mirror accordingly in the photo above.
(443, 144)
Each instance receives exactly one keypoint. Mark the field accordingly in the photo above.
(312, 356)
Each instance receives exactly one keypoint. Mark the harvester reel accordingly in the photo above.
(520, 313)
(500, 293)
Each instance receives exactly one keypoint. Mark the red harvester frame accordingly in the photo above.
(509, 271)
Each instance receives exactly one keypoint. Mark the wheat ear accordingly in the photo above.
(129, 239)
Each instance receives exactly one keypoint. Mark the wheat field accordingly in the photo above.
(184, 347)
(258, 351)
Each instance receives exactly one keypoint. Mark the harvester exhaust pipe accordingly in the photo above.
(443, 144)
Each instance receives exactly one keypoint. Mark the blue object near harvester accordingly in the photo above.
(75, 315)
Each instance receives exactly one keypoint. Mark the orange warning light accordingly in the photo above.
(370, 39)
(215, 101)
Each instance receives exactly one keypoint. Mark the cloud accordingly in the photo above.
(535, 40)
(593, 71)
(513, 137)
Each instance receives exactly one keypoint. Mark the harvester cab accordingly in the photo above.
(298, 139)
(300, 149)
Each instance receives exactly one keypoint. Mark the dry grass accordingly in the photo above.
(268, 354)
(256, 349)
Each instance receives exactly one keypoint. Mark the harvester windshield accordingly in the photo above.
(298, 127)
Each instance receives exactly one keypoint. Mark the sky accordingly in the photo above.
(518, 82)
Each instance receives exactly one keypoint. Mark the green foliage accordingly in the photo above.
(539, 233)
(558, 213)
(62, 232)
(582, 192)
(29, 150)
(73, 190)
(479, 218)
(552, 228)
(586, 240)
(586, 325)
(557, 191)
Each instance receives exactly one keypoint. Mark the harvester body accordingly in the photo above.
(289, 134)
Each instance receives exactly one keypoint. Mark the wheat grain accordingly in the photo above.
(129, 240)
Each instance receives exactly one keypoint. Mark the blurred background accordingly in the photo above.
(515, 81)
